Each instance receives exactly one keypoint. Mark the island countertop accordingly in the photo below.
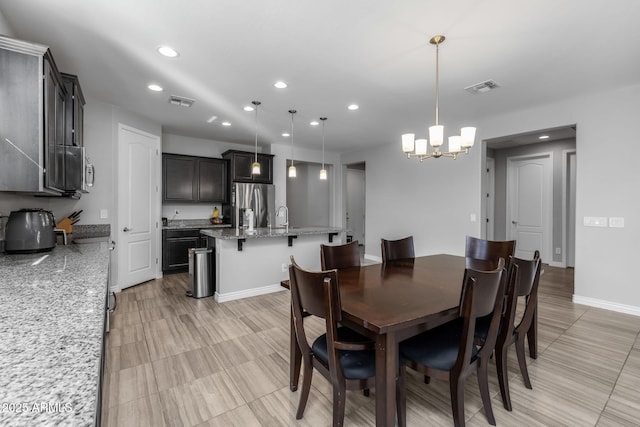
(51, 330)
(258, 233)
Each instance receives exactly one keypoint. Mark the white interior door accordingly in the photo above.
(356, 203)
(138, 206)
(529, 203)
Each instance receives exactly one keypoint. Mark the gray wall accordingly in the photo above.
(308, 197)
(500, 156)
(434, 200)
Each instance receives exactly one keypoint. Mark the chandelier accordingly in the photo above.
(457, 144)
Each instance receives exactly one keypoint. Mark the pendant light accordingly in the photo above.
(458, 144)
(323, 171)
(292, 169)
(255, 167)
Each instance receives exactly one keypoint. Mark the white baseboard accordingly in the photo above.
(607, 305)
(557, 264)
(230, 296)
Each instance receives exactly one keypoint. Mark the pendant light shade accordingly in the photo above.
(292, 169)
(323, 171)
(255, 167)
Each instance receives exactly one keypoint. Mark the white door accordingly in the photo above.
(356, 204)
(529, 204)
(138, 206)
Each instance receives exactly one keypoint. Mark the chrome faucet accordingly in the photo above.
(286, 216)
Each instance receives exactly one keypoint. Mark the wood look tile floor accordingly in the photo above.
(178, 361)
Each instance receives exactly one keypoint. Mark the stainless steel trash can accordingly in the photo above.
(200, 283)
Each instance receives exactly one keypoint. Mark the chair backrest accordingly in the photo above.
(313, 293)
(525, 285)
(482, 295)
(340, 256)
(397, 249)
(480, 251)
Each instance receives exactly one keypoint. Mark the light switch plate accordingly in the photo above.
(104, 214)
(595, 221)
(616, 222)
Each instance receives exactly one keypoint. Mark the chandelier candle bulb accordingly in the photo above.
(436, 135)
(421, 147)
(407, 142)
(455, 143)
(468, 135)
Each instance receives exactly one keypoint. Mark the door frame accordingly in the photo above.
(566, 201)
(158, 203)
(547, 237)
(490, 199)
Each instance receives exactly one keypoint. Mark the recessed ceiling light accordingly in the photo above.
(167, 51)
(314, 123)
(226, 124)
(353, 107)
(212, 119)
(543, 137)
(280, 84)
(155, 87)
(286, 135)
(248, 108)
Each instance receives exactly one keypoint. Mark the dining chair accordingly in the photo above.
(448, 351)
(344, 357)
(512, 329)
(340, 256)
(484, 254)
(397, 249)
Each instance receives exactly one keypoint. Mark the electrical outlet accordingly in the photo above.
(285, 267)
(558, 251)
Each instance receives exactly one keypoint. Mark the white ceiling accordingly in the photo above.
(333, 53)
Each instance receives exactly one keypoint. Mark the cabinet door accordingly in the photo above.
(54, 106)
(212, 180)
(175, 248)
(241, 165)
(179, 183)
(266, 166)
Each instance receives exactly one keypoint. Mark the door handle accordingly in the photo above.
(514, 222)
(126, 229)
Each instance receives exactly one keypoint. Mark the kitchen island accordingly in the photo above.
(51, 335)
(253, 263)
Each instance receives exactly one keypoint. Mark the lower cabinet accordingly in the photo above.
(175, 248)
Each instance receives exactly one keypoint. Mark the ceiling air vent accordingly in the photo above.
(181, 101)
(482, 87)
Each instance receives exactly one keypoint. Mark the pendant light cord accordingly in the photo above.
(292, 113)
(324, 119)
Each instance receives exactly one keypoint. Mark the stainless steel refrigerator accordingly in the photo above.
(258, 197)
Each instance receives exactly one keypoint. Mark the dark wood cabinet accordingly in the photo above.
(175, 248)
(36, 114)
(189, 179)
(240, 163)
(74, 135)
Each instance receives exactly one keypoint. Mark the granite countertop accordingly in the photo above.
(234, 234)
(192, 223)
(51, 331)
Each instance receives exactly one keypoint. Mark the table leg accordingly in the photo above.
(295, 357)
(386, 372)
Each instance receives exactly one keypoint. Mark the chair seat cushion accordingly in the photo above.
(358, 364)
(437, 348)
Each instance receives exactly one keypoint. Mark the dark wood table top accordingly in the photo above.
(396, 295)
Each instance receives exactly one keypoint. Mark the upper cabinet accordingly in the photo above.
(74, 154)
(37, 114)
(189, 179)
(240, 163)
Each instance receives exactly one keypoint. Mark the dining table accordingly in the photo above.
(390, 302)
